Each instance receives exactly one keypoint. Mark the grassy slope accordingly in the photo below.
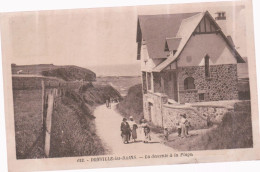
(73, 130)
(72, 116)
(132, 105)
(27, 116)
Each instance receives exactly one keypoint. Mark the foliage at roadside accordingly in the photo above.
(132, 104)
(98, 94)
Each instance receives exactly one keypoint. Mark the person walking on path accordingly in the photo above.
(187, 127)
(146, 131)
(107, 103)
(166, 134)
(134, 132)
(125, 131)
(183, 126)
(178, 125)
(141, 131)
(209, 123)
(133, 127)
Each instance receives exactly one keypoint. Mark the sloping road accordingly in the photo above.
(108, 123)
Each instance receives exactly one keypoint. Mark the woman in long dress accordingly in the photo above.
(141, 131)
(134, 132)
(133, 127)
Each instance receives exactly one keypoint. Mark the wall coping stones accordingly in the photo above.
(188, 90)
(157, 94)
(185, 107)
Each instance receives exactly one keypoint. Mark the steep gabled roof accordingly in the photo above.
(185, 31)
(154, 29)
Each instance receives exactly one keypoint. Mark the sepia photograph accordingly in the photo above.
(130, 86)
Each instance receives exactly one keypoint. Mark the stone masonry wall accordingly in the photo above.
(166, 115)
(222, 84)
(155, 101)
(196, 115)
(171, 116)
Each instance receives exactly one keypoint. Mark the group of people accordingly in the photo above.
(130, 131)
(111, 100)
(183, 126)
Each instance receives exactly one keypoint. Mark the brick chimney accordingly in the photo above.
(221, 20)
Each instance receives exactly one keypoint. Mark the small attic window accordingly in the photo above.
(166, 48)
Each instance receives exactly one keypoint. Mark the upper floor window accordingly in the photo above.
(207, 69)
(189, 83)
(149, 82)
(144, 82)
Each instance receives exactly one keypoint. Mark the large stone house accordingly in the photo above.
(185, 58)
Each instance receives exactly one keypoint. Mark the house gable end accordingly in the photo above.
(168, 62)
(206, 26)
(201, 45)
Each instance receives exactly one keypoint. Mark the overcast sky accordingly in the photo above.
(95, 37)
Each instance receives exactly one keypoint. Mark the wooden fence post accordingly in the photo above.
(48, 123)
(43, 101)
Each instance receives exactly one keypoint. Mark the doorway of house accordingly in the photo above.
(150, 111)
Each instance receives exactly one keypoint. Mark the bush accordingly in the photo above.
(94, 95)
(234, 132)
(244, 106)
(132, 104)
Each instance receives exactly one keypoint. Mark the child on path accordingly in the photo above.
(178, 125)
(146, 131)
(166, 134)
(187, 127)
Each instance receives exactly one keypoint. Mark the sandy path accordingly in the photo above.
(108, 129)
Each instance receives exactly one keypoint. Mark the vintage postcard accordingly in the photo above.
(130, 86)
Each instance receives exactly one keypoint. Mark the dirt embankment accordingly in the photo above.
(73, 129)
(73, 126)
